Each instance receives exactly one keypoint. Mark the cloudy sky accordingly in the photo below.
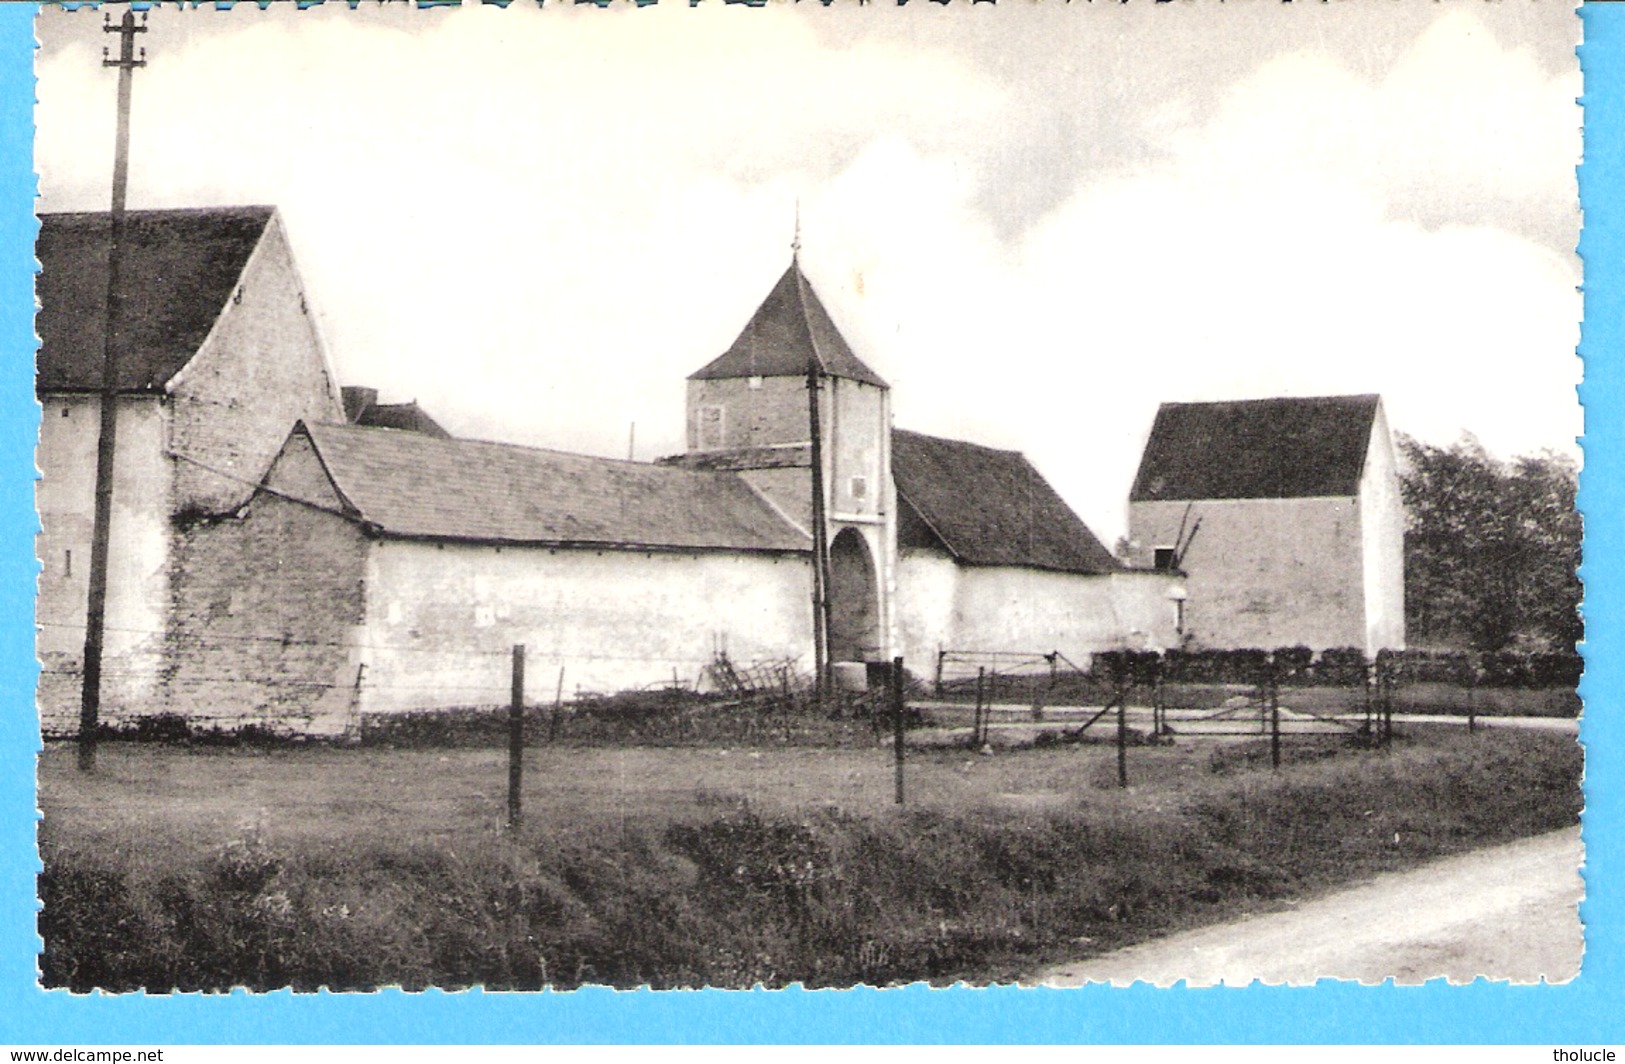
(1036, 220)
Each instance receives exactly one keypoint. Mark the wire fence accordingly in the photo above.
(389, 691)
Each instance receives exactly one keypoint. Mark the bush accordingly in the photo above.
(1292, 664)
(736, 897)
(1556, 670)
(1341, 667)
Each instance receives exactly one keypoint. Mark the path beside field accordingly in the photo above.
(1509, 912)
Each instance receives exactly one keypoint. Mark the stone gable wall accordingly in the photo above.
(261, 370)
(268, 609)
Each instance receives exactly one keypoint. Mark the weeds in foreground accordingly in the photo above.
(736, 897)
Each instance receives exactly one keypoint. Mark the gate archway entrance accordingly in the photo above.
(854, 607)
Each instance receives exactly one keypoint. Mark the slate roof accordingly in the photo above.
(991, 507)
(361, 407)
(790, 329)
(180, 270)
(407, 417)
(412, 485)
(1257, 449)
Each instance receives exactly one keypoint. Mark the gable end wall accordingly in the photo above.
(261, 370)
(268, 609)
(1382, 525)
(1265, 573)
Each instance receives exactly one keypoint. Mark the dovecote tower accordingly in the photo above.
(749, 411)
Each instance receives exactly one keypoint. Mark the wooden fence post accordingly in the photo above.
(1156, 698)
(979, 725)
(1367, 678)
(897, 721)
(1472, 691)
(1122, 733)
(1275, 715)
(1385, 678)
(558, 709)
(516, 736)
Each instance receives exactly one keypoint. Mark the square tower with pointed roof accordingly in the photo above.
(749, 411)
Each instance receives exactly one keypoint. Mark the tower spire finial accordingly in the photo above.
(795, 244)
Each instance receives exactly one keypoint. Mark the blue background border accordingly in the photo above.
(1590, 1010)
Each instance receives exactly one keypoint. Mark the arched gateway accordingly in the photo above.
(854, 610)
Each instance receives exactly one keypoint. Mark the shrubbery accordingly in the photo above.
(737, 896)
(1299, 666)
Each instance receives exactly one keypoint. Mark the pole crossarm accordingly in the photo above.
(127, 28)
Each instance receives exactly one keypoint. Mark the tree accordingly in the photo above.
(1492, 548)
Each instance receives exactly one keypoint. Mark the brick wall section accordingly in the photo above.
(261, 370)
(268, 607)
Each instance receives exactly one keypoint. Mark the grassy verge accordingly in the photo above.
(725, 878)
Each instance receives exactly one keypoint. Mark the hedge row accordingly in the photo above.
(1340, 667)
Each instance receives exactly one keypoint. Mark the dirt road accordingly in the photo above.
(1509, 912)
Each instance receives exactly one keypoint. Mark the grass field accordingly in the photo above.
(208, 868)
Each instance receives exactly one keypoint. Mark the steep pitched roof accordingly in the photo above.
(409, 484)
(180, 269)
(790, 330)
(991, 507)
(1257, 449)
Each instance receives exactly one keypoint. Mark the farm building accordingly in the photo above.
(217, 358)
(380, 570)
(1285, 517)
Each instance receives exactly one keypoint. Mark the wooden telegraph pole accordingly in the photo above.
(820, 538)
(107, 431)
(820, 530)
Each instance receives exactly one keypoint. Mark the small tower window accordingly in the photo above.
(860, 487)
(708, 427)
(1164, 558)
(67, 563)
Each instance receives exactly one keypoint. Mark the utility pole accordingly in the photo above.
(820, 529)
(820, 533)
(107, 434)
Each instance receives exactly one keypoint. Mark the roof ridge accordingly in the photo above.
(488, 491)
(1348, 396)
(510, 446)
(962, 443)
(345, 498)
(802, 285)
(166, 212)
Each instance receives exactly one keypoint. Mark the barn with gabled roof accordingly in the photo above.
(296, 556)
(1285, 517)
(377, 571)
(217, 357)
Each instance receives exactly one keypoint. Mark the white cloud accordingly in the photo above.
(538, 223)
